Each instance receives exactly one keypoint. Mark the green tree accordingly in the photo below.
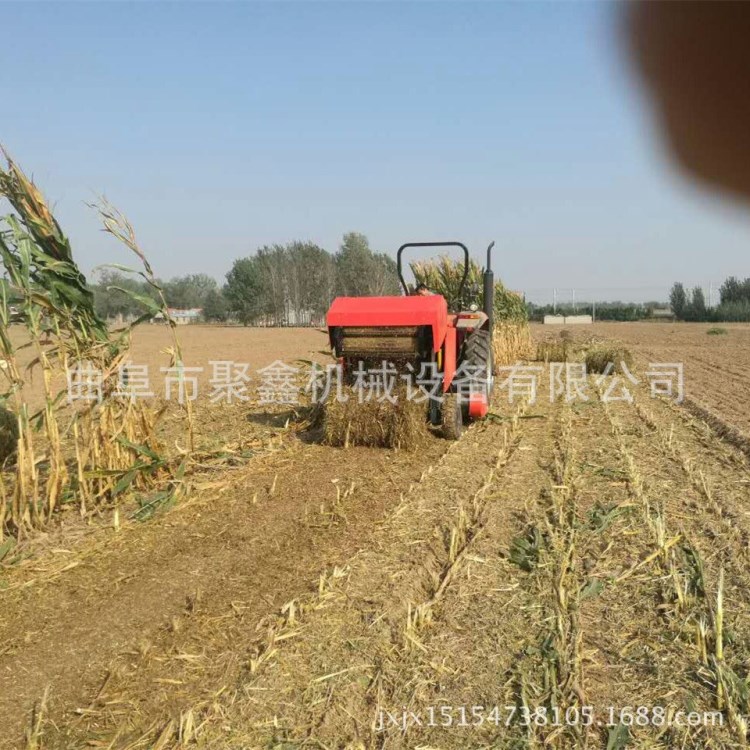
(362, 273)
(295, 283)
(111, 298)
(735, 291)
(738, 312)
(354, 266)
(274, 271)
(244, 290)
(313, 274)
(216, 306)
(678, 300)
(730, 290)
(697, 308)
(189, 291)
(384, 276)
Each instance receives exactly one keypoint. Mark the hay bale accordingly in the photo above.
(375, 423)
(552, 350)
(8, 433)
(511, 342)
(599, 356)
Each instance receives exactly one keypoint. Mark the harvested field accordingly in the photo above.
(559, 556)
(257, 347)
(716, 367)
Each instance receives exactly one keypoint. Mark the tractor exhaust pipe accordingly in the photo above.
(489, 288)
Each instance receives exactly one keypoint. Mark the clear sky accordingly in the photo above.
(220, 127)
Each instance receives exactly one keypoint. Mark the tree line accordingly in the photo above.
(294, 284)
(734, 302)
(624, 311)
(291, 284)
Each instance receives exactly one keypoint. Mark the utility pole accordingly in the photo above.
(554, 301)
(710, 294)
(593, 311)
(573, 298)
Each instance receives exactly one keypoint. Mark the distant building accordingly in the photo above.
(662, 313)
(554, 320)
(183, 317)
(567, 320)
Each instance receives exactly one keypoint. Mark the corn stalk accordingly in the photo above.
(443, 276)
(87, 456)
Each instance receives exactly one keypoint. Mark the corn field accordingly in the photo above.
(62, 456)
(443, 276)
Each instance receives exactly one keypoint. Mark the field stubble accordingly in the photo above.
(559, 555)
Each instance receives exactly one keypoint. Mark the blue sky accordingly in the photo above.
(220, 127)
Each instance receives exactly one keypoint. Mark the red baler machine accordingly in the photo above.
(413, 329)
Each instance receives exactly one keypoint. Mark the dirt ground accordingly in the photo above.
(716, 367)
(560, 557)
(201, 345)
(256, 347)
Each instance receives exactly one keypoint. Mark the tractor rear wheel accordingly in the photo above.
(477, 350)
(452, 417)
(476, 356)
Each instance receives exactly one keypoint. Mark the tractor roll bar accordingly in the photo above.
(433, 244)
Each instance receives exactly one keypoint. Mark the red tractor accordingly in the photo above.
(412, 330)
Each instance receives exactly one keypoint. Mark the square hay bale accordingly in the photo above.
(374, 423)
(599, 356)
(553, 350)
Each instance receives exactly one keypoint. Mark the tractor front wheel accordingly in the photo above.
(452, 417)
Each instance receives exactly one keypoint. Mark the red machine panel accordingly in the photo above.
(478, 405)
(392, 311)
